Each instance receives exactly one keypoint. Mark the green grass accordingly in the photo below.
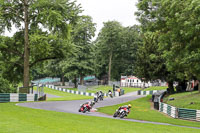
(75, 89)
(141, 110)
(184, 100)
(130, 89)
(106, 88)
(16, 119)
(156, 88)
(64, 96)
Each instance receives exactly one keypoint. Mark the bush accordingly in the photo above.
(5, 86)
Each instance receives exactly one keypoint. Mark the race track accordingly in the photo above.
(73, 106)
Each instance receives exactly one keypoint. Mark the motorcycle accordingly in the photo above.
(121, 113)
(84, 108)
(100, 97)
(110, 94)
(96, 98)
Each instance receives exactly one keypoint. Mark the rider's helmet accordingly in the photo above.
(92, 103)
(129, 106)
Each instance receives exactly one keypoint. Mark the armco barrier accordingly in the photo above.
(146, 92)
(188, 114)
(181, 113)
(17, 97)
(168, 109)
(72, 91)
(198, 115)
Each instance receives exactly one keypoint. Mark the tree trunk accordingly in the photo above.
(171, 87)
(109, 69)
(63, 81)
(182, 85)
(26, 46)
(75, 82)
(199, 87)
(81, 79)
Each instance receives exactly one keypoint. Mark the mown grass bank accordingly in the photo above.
(106, 88)
(190, 100)
(142, 110)
(155, 88)
(94, 89)
(64, 96)
(16, 119)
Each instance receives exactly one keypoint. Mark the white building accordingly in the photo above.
(132, 81)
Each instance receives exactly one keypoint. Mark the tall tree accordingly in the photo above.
(108, 42)
(80, 63)
(177, 24)
(126, 58)
(50, 19)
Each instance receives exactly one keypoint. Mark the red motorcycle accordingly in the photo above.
(84, 108)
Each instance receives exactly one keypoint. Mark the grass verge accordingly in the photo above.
(142, 110)
(156, 88)
(64, 96)
(190, 100)
(16, 119)
(106, 88)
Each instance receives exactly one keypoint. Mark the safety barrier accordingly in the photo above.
(146, 92)
(80, 92)
(181, 113)
(198, 115)
(72, 91)
(168, 109)
(17, 97)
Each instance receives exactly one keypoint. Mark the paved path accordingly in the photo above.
(73, 106)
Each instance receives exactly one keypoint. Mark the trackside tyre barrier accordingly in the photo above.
(181, 113)
(146, 92)
(168, 109)
(198, 115)
(174, 112)
(72, 91)
(17, 97)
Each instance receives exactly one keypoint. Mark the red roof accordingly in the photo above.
(132, 77)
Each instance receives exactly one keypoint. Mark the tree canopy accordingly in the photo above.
(175, 24)
(43, 31)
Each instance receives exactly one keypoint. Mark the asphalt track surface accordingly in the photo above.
(73, 106)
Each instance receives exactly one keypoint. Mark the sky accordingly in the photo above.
(106, 10)
(109, 10)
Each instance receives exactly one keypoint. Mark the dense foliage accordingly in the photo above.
(175, 25)
(43, 32)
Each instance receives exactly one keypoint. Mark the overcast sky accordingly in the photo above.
(108, 10)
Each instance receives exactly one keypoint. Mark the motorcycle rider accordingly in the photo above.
(90, 104)
(96, 97)
(110, 93)
(100, 95)
(128, 107)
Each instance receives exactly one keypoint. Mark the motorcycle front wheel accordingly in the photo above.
(115, 114)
